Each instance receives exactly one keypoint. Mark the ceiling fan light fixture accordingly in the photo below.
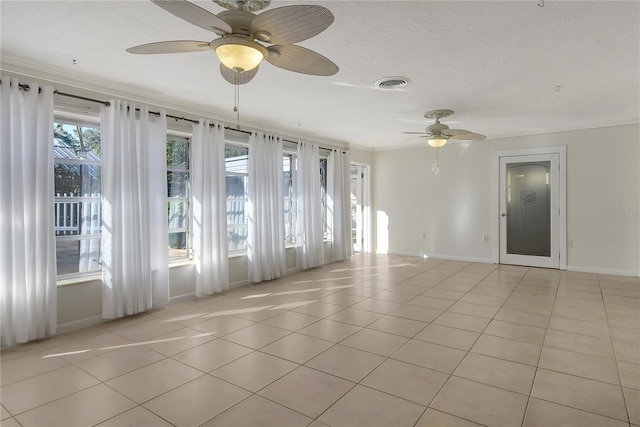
(239, 53)
(437, 141)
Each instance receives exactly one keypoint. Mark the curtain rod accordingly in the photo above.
(26, 88)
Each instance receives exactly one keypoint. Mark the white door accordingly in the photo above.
(530, 210)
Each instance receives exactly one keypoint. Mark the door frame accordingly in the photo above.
(561, 151)
(365, 182)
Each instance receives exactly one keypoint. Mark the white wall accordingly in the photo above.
(454, 208)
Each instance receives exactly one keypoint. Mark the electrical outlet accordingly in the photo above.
(486, 239)
(570, 244)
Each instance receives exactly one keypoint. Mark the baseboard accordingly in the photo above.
(184, 297)
(446, 257)
(79, 324)
(602, 271)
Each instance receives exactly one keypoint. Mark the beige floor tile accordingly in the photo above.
(259, 314)
(525, 304)
(257, 411)
(431, 302)
(413, 312)
(619, 333)
(504, 348)
(356, 317)
(398, 326)
(137, 416)
(376, 305)
(343, 299)
(629, 374)
(580, 393)
(256, 336)
(491, 301)
(346, 362)
(319, 309)
(615, 299)
(473, 309)
(360, 291)
(515, 331)
(626, 351)
(212, 355)
(197, 401)
(35, 391)
(490, 291)
(87, 407)
(579, 364)
(578, 303)
(118, 362)
(428, 355)
(584, 314)
(453, 286)
(294, 391)
(572, 293)
(407, 289)
(146, 329)
(21, 368)
(330, 330)
(497, 372)
(450, 337)
(291, 321)
(363, 406)
(462, 321)
(579, 343)
(10, 422)
(297, 347)
(4, 414)
(481, 403)
(410, 382)
(394, 296)
(632, 398)
(598, 330)
(222, 325)
(377, 342)
(522, 318)
(443, 293)
(254, 371)
(89, 347)
(544, 414)
(180, 340)
(152, 380)
(433, 418)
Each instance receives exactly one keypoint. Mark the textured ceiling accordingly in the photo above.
(506, 68)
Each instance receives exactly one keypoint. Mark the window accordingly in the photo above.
(323, 194)
(178, 197)
(77, 203)
(288, 168)
(237, 180)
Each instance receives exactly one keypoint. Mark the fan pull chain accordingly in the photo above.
(236, 108)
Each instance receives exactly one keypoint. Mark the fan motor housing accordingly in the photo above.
(239, 20)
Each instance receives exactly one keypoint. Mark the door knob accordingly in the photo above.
(504, 214)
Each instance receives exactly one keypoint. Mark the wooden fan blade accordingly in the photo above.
(416, 133)
(234, 77)
(174, 46)
(301, 60)
(194, 15)
(469, 137)
(452, 132)
(291, 24)
(415, 137)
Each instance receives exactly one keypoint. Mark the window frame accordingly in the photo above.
(180, 136)
(79, 200)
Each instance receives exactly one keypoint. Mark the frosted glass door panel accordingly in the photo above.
(529, 209)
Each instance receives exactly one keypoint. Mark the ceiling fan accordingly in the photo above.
(438, 134)
(243, 35)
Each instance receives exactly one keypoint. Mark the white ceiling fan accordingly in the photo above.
(242, 36)
(438, 134)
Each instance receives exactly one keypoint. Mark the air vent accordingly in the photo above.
(395, 82)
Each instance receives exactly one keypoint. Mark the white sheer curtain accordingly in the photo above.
(135, 272)
(309, 233)
(339, 204)
(27, 242)
(266, 208)
(208, 183)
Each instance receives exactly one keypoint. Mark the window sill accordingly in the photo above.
(79, 279)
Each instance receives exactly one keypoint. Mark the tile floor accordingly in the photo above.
(373, 341)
